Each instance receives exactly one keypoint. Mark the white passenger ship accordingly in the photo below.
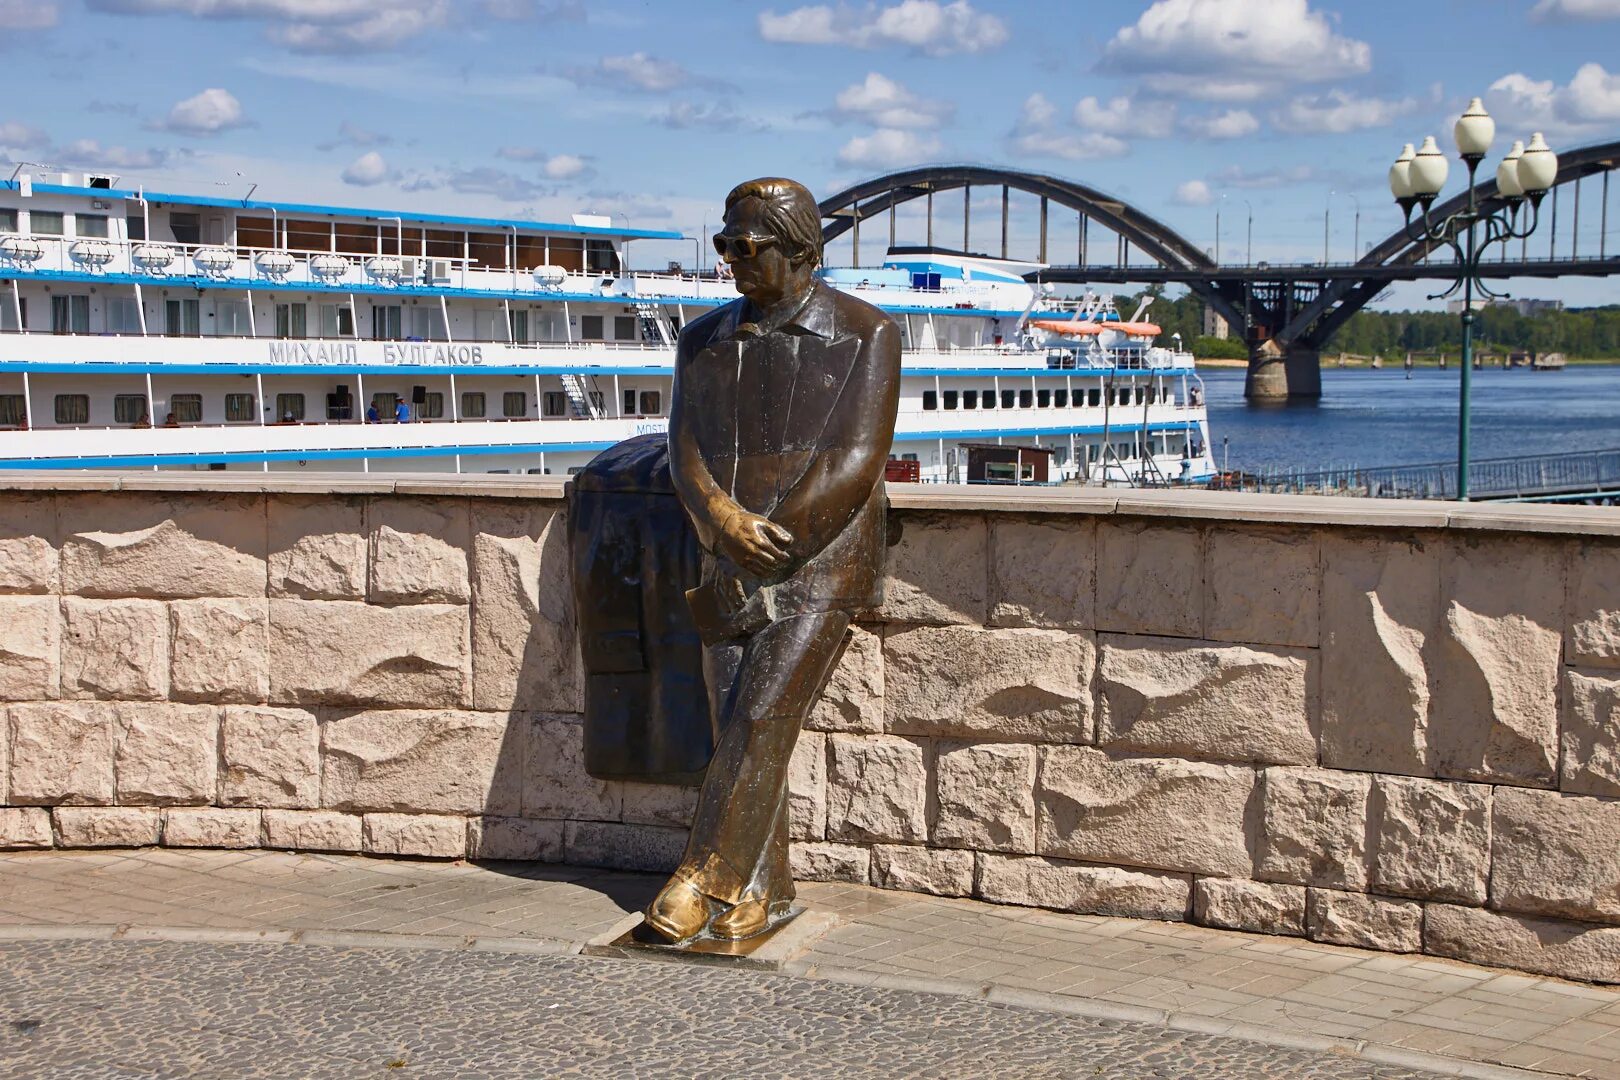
(140, 329)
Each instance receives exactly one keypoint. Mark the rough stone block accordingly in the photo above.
(211, 827)
(1493, 714)
(657, 804)
(877, 789)
(616, 846)
(115, 649)
(1251, 906)
(317, 547)
(431, 836)
(28, 557)
(311, 830)
(853, 697)
(1043, 572)
(1555, 854)
(1380, 600)
(408, 761)
(1594, 604)
(30, 657)
(807, 787)
(166, 754)
(1229, 702)
(985, 794)
(1314, 829)
(939, 571)
(1591, 733)
(107, 826)
(830, 862)
(166, 546)
(1261, 586)
(337, 652)
(269, 757)
(519, 839)
(61, 753)
(419, 550)
(1364, 922)
(1150, 579)
(1563, 950)
(924, 870)
(1090, 890)
(218, 650)
(1160, 813)
(24, 827)
(525, 647)
(1015, 684)
(555, 783)
(1432, 839)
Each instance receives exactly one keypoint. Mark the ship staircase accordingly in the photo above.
(583, 394)
(654, 327)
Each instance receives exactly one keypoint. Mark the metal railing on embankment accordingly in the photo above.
(1588, 474)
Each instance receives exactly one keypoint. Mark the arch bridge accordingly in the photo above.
(1287, 312)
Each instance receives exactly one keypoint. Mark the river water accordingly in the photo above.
(1368, 418)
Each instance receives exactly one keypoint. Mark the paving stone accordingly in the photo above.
(941, 872)
(419, 550)
(115, 649)
(1365, 922)
(30, 656)
(429, 835)
(1556, 854)
(813, 861)
(1315, 827)
(1591, 733)
(166, 754)
(317, 547)
(1093, 890)
(25, 827)
(985, 796)
(269, 757)
(312, 830)
(1195, 699)
(938, 571)
(877, 789)
(335, 652)
(1262, 586)
(1432, 838)
(852, 700)
(413, 761)
(1252, 906)
(163, 545)
(1043, 572)
(525, 645)
(107, 826)
(211, 827)
(28, 555)
(61, 753)
(514, 838)
(218, 650)
(1150, 578)
(1566, 950)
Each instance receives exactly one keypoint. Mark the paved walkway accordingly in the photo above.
(1147, 999)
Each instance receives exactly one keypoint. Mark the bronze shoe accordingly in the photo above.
(679, 912)
(742, 920)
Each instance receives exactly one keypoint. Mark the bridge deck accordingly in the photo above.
(1593, 474)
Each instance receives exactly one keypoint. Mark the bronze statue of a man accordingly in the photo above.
(783, 415)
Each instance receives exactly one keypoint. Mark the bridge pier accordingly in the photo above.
(1279, 376)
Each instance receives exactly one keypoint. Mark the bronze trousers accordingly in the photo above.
(760, 692)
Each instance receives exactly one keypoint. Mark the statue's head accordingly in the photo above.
(772, 237)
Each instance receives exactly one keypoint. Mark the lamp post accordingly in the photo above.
(1327, 211)
(1523, 177)
(1248, 256)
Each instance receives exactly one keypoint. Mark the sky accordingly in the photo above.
(1286, 112)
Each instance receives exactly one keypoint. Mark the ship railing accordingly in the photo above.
(136, 335)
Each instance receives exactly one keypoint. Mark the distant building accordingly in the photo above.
(1214, 325)
(1523, 307)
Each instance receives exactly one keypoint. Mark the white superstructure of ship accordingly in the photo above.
(148, 330)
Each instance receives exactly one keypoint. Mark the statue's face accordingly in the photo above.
(765, 275)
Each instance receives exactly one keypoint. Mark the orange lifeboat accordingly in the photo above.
(1068, 327)
(1137, 329)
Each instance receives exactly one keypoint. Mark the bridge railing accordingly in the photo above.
(1533, 476)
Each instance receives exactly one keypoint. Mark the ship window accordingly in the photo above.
(590, 327)
(433, 407)
(186, 408)
(1026, 398)
(652, 403)
(8, 220)
(930, 400)
(1141, 395)
(1043, 399)
(386, 403)
(385, 323)
(554, 403)
(600, 256)
(598, 402)
(1007, 399)
(123, 317)
(520, 327)
(1152, 395)
(90, 225)
(624, 328)
(238, 407)
(72, 408)
(292, 321)
(13, 410)
(1060, 398)
(130, 409)
(336, 321)
(45, 223)
(182, 318)
(472, 404)
(70, 314)
(950, 398)
(186, 228)
(289, 407)
(11, 319)
(1093, 396)
(135, 226)
(970, 399)
(515, 403)
(629, 402)
(231, 318)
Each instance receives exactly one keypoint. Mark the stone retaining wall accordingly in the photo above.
(1394, 727)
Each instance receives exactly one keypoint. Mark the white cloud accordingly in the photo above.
(924, 26)
(1126, 116)
(27, 14)
(1194, 193)
(1231, 124)
(316, 26)
(208, 113)
(366, 170)
(716, 115)
(15, 135)
(352, 134)
(645, 72)
(564, 166)
(889, 148)
(90, 154)
(882, 102)
(1570, 10)
(1037, 135)
(1590, 101)
(1338, 112)
(1233, 50)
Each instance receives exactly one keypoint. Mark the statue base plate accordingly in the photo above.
(767, 951)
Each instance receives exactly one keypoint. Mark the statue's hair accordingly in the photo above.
(790, 212)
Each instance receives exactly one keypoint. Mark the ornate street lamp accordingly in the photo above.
(1523, 177)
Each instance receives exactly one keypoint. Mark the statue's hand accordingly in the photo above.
(757, 544)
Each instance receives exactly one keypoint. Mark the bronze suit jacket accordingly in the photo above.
(794, 425)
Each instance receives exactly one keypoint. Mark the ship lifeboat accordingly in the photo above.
(274, 264)
(93, 253)
(153, 258)
(214, 261)
(550, 277)
(384, 268)
(21, 249)
(329, 267)
(1137, 329)
(1069, 327)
